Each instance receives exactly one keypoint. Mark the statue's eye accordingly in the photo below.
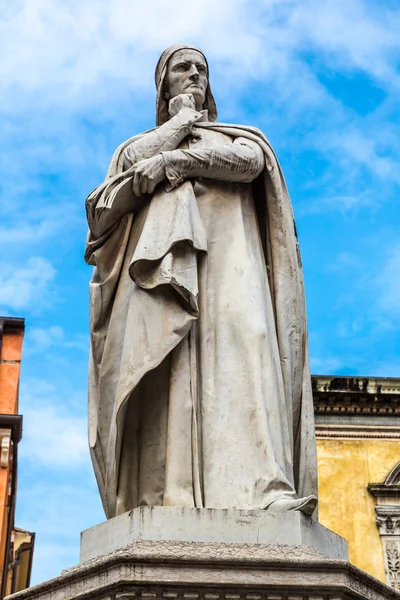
(201, 69)
(181, 67)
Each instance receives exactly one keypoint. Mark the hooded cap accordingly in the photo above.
(162, 114)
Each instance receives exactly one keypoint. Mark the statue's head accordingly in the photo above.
(183, 69)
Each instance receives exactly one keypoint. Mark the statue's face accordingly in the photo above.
(187, 74)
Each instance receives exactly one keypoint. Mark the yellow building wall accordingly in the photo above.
(345, 468)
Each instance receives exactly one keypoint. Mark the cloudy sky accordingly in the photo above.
(321, 79)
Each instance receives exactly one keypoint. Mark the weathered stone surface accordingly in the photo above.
(212, 571)
(199, 382)
(209, 525)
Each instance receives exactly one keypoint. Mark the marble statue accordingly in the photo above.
(199, 383)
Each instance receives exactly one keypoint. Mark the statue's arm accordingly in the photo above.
(166, 137)
(102, 218)
(241, 161)
(127, 196)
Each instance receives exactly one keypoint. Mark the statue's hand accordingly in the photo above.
(147, 174)
(181, 101)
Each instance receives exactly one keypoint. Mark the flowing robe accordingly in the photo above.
(199, 390)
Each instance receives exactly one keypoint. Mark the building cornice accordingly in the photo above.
(351, 432)
(356, 396)
(11, 324)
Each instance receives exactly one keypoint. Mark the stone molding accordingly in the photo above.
(216, 571)
(387, 511)
(356, 396)
(391, 547)
(343, 431)
(388, 520)
(5, 445)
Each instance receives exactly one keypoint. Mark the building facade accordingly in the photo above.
(16, 545)
(358, 446)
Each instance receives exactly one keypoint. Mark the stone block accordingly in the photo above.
(207, 525)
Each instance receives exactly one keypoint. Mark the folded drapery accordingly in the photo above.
(166, 250)
(158, 250)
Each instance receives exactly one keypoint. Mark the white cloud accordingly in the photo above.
(346, 260)
(40, 339)
(378, 284)
(57, 511)
(27, 286)
(54, 438)
(355, 34)
(64, 59)
(70, 48)
(387, 283)
(57, 493)
(43, 339)
(23, 232)
(67, 48)
(324, 365)
(28, 226)
(55, 430)
(354, 147)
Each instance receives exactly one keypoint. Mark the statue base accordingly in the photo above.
(208, 525)
(243, 566)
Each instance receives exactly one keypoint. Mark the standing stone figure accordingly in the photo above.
(199, 383)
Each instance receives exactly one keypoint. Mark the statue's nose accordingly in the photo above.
(194, 74)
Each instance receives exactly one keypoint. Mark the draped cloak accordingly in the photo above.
(164, 269)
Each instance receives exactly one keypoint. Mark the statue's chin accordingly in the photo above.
(197, 94)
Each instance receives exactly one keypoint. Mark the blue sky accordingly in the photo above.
(321, 79)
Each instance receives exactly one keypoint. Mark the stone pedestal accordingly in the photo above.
(159, 523)
(159, 561)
